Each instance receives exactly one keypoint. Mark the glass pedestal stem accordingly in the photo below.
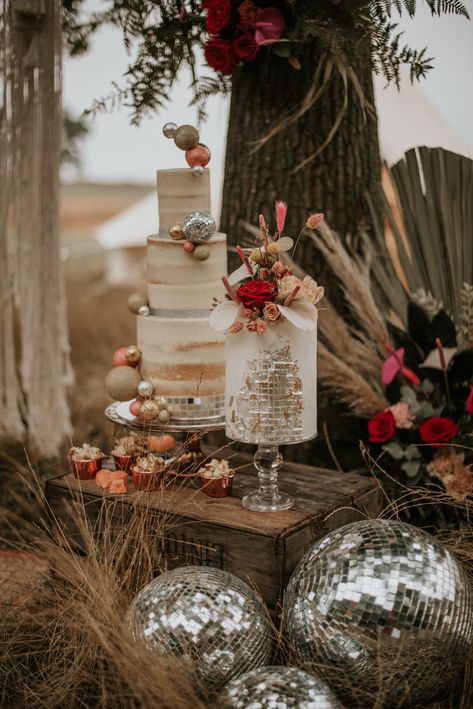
(267, 498)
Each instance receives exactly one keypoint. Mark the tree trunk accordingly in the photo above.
(335, 182)
(34, 346)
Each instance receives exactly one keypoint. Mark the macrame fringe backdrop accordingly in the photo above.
(34, 349)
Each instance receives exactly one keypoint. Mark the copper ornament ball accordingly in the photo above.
(189, 247)
(186, 137)
(121, 382)
(176, 232)
(133, 355)
(198, 156)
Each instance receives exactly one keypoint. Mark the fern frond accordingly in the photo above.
(466, 314)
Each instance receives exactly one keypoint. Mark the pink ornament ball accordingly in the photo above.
(135, 407)
(189, 247)
(119, 357)
(200, 155)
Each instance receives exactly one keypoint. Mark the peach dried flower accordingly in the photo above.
(278, 268)
(311, 291)
(236, 326)
(286, 286)
(403, 416)
(261, 327)
(271, 312)
(315, 220)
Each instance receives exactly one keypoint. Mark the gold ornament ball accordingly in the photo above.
(201, 252)
(132, 354)
(176, 232)
(162, 403)
(163, 416)
(186, 137)
(149, 410)
(273, 248)
(122, 383)
(135, 301)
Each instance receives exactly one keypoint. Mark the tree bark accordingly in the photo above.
(335, 182)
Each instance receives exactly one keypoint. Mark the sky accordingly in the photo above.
(115, 151)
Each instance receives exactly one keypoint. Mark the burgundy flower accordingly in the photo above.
(437, 430)
(255, 294)
(245, 46)
(218, 15)
(220, 56)
(269, 26)
(469, 402)
(382, 427)
(248, 12)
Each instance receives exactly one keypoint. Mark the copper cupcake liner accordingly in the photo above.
(217, 487)
(86, 469)
(147, 479)
(124, 462)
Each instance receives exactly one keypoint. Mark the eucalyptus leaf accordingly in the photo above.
(411, 468)
(426, 410)
(394, 449)
(412, 452)
(427, 386)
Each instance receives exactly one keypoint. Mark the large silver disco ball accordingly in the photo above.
(206, 616)
(198, 227)
(278, 688)
(380, 606)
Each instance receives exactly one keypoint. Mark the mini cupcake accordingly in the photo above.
(85, 460)
(127, 449)
(216, 478)
(148, 472)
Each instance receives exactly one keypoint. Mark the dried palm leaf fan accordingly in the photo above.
(430, 222)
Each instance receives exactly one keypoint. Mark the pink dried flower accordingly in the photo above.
(262, 223)
(250, 313)
(278, 269)
(236, 326)
(261, 327)
(445, 462)
(311, 291)
(269, 26)
(403, 416)
(286, 287)
(263, 273)
(271, 312)
(314, 220)
(281, 211)
(251, 326)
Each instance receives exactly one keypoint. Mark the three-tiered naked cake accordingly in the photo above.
(180, 353)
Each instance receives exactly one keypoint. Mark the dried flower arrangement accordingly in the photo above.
(216, 468)
(132, 445)
(85, 452)
(270, 293)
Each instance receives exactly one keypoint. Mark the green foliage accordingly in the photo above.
(165, 36)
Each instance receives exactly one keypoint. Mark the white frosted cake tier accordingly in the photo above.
(177, 280)
(180, 193)
(271, 382)
(182, 357)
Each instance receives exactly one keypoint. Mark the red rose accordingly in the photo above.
(218, 15)
(437, 430)
(245, 46)
(220, 55)
(248, 12)
(469, 402)
(255, 294)
(382, 427)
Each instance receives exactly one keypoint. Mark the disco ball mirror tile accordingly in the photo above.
(206, 616)
(278, 688)
(377, 603)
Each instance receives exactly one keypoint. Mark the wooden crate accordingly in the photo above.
(261, 548)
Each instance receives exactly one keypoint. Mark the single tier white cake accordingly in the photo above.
(180, 354)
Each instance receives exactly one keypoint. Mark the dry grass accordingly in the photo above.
(70, 647)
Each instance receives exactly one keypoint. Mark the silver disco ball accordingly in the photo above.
(278, 688)
(198, 227)
(206, 616)
(380, 605)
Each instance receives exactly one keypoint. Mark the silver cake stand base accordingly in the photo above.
(119, 412)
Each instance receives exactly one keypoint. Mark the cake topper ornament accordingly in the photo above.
(186, 137)
(198, 227)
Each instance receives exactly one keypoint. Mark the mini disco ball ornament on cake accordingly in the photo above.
(207, 616)
(278, 688)
(381, 603)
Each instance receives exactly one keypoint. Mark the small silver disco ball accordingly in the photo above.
(206, 616)
(198, 227)
(380, 606)
(278, 688)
